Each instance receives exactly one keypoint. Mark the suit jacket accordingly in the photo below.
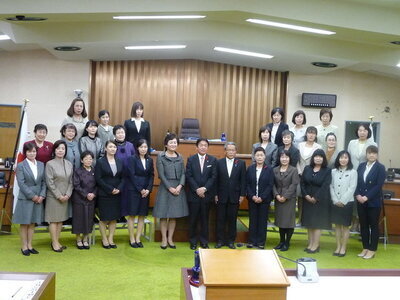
(265, 183)
(231, 188)
(132, 134)
(372, 186)
(278, 136)
(106, 181)
(29, 187)
(356, 157)
(196, 179)
(271, 153)
(138, 177)
(286, 185)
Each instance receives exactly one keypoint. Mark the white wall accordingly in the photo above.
(46, 81)
(359, 96)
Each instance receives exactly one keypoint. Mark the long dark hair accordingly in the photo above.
(70, 111)
(319, 152)
(340, 154)
(88, 124)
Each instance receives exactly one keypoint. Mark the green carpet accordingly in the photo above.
(151, 273)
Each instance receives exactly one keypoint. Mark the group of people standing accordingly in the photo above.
(96, 165)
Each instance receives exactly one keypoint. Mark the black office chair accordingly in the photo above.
(190, 128)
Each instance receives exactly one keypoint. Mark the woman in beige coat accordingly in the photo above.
(59, 189)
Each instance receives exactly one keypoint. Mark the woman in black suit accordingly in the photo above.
(277, 126)
(315, 187)
(109, 179)
(259, 184)
(371, 177)
(140, 177)
(137, 128)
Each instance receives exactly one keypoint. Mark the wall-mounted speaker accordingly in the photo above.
(318, 100)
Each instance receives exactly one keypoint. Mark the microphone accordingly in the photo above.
(296, 262)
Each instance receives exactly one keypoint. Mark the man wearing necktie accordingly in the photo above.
(201, 175)
(231, 190)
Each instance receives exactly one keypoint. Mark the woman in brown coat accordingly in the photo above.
(83, 200)
(286, 180)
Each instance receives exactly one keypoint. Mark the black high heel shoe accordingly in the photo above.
(25, 252)
(33, 251)
(59, 250)
(313, 251)
(171, 246)
(105, 246)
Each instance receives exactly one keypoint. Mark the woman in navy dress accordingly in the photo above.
(139, 184)
(110, 182)
(260, 182)
(125, 150)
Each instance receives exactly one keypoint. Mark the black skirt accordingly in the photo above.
(137, 206)
(342, 215)
(109, 207)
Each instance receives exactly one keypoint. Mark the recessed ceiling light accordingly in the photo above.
(398, 65)
(289, 26)
(26, 19)
(395, 42)
(67, 48)
(4, 37)
(324, 64)
(241, 52)
(155, 47)
(158, 17)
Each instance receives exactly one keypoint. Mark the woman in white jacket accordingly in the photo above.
(343, 185)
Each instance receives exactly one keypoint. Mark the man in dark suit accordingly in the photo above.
(201, 174)
(231, 190)
(371, 177)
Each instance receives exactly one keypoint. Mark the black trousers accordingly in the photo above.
(369, 229)
(258, 214)
(198, 215)
(226, 222)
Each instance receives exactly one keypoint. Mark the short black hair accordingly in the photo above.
(372, 149)
(258, 149)
(297, 113)
(85, 153)
(284, 152)
(262, 129)
(366, 126)
(118, 127)
(29, 147)
(88, 124)
(278, 110)
(202, 140)
(340, 154)
(330, 134)
(170, 137)
(319, 152)
(326, 110)
(55, 146)
(103, 112)
(68, 126)
(40, 127)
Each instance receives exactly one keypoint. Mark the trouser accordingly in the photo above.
(198, 215)
(258, 213)
(369, 229)
(226, 219)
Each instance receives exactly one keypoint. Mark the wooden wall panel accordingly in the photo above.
(236, 100)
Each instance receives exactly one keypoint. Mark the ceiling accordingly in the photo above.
(364, 29)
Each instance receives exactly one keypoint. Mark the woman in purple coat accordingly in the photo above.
(140, 172)
(125, 150)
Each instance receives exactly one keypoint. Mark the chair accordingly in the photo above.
(190, 128)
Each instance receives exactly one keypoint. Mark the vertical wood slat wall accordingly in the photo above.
(225, 98)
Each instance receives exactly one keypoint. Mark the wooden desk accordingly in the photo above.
(241, 274)
(392, 210)
(47, 290)
(393, 186)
